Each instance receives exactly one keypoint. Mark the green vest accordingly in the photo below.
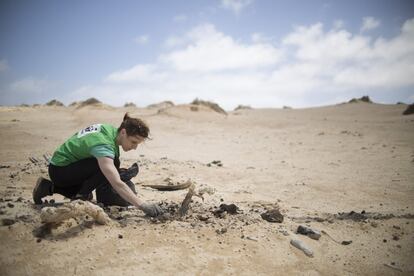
(78, 146)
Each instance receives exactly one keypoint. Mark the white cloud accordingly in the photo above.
(142, 39)
(235, 5)
(210, 50)
(334, 46)
(369, 23)
(3, 65)
(138, 73)
(312, 66)
(31, 85)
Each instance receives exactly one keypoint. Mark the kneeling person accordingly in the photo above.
(90, 159)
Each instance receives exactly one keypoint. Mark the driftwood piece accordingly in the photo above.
(169, 186)
(393, 267)
(77, 208)
(186, 202)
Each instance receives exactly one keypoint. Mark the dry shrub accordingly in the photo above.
(364, 99)
(131, 104)
(240, 107)
(164, 104)
(409, 110)
(210, 105)
(54, 102)
(88, 102)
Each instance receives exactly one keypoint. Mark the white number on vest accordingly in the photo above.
(89, 130)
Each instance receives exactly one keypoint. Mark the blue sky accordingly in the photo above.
(252, 52)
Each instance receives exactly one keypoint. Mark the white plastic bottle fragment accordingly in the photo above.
(302, 246)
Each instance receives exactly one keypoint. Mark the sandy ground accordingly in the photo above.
(313, 164)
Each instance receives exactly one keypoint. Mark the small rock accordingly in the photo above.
(221, 231)
(346, 242)
(38, 240)
(284, 232)
(251, 238)
(225, 208)
(8, 221)
(120, 236)
(10, 205)
(273, 215)
(25, 218)
(203, 217)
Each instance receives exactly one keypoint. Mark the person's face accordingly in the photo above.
(130, 142)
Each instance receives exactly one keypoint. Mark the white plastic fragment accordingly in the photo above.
(302, 246)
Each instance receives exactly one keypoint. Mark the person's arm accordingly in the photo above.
(109, 170)
(106, 164)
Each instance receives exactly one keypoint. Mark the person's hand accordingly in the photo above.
(151, 209)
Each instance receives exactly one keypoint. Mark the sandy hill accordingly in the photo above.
(345, 170)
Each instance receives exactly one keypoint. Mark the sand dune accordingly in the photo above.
(346, 170)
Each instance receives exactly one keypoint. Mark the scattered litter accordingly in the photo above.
(226, 208)
(352, 216)
(215, 163)
(252, 239)
(7, 221)
(221, 231)
(343, 242)
(302, 246)
(307, 231)
(273, 215)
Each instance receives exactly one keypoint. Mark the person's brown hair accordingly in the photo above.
(134, 126)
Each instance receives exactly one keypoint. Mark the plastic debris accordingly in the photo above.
(302, 246)
(307, 231)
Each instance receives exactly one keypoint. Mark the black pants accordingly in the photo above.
(84, 176)
(79, 178)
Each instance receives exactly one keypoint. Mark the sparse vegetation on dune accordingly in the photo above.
(211, 105)
(54, 102)
(164, 104)
(131, 104)
(364, 99)
(409, 110)
(240, 107)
